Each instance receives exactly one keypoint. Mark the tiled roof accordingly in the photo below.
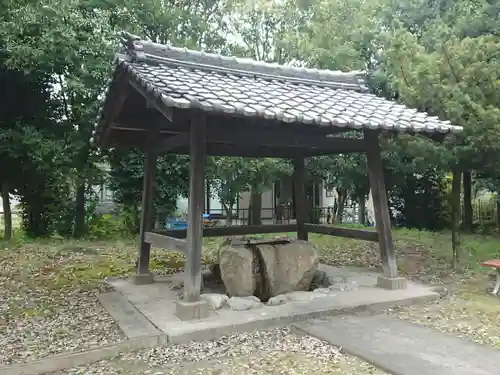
(190, 79)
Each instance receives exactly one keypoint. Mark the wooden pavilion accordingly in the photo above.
(166, 99)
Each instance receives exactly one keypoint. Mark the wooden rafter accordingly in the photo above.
(153, 101)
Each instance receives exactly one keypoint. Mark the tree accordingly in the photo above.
(262, 173)
(126, 182)
(32, 151)
(447, 68)
(191, 24)
(229, 178)
(73, 45)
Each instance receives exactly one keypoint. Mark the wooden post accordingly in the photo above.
(390, 279)
(197, 147)
(300, 198)
(143, 276)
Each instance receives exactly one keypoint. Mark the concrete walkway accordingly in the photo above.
(404, 348)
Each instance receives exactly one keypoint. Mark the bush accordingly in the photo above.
(422, 202)
(105, 226)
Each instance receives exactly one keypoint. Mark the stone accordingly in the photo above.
(288, 267)
(177, 284)
(236, 268)
(391, 283)
(322, 290)
(319, 279)
(244, 303)
(206, 274)
(215, 300)
(276, 301)
(301, 296)
(143, 278)
(191, 310)
(215, 271)
(211, 275)
(253, 298)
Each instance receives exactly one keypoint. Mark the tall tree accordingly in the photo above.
(73, 45)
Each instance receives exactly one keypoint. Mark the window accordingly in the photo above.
(329, 193)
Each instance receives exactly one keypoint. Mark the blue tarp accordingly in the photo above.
(176, 223)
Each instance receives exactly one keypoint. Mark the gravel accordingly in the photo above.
(79, 324)
(274, 351)
(471, 314)
(48, 301)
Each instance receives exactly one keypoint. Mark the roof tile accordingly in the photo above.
(191, 79)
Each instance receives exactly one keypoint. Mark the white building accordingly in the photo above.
(280, 192)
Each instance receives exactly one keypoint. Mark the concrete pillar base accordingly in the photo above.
(391, 283)
(191, 310)
(143, 278)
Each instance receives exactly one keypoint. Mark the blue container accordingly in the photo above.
(174, 223)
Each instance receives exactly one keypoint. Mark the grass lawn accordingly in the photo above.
(48, 303)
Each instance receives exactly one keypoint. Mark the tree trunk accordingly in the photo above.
(455, 217)
(468, 217)
(362, 209)
(79, 229)
(7, 213)
(157, 223)
(228, 208)
(342, 196)
(255, 208)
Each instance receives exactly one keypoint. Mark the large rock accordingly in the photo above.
(267, 270)
(236, 270)
(289, 267)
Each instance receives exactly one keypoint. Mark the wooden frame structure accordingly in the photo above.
(155, 105)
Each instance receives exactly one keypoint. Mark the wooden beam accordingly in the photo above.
(153, 101)
(330, 230)
(132, 139)
(300, 197)
(236, 230)
(249, 151)
(193, 279)
(271, 140)
(172, 143)
(149, 182)
(380, 204)
(275, 138)
(165, 242)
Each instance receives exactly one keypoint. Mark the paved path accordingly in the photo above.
(404, 348)
(128, 318)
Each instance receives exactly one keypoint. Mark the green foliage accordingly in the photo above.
(231, 176)
(126, 181)
(421, 202)
(105, 226)
(440, 57)
(69, 49)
